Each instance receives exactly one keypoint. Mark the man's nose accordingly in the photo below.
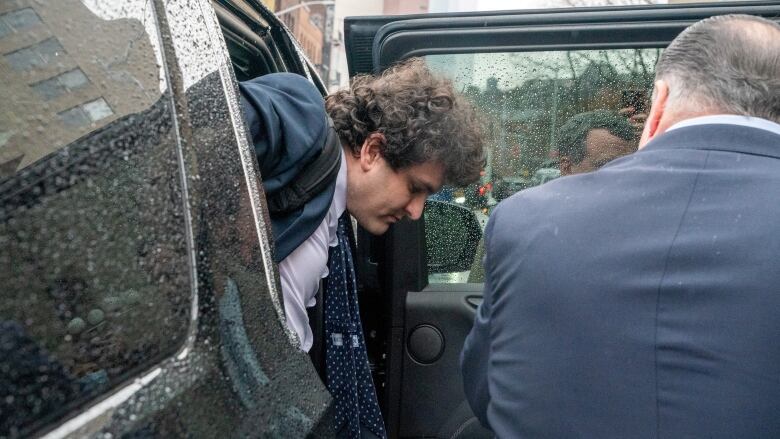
(415, 207)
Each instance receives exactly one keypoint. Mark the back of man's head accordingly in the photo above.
(727, 64)
(573, 133)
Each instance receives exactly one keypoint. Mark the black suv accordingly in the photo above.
(139, 297)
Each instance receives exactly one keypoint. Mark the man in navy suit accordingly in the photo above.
(642, 300)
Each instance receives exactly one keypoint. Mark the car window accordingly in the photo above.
(546, 114)
(93, 253)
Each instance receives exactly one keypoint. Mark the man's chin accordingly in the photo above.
(377, 227)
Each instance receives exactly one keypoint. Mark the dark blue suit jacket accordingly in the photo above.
(638, 301)
(285, 114)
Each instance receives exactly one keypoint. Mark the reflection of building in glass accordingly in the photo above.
(59, 82)
(270, 4)
(307, 26)
(322, 16)
(92, 257)
(397, 7)
(339, 72)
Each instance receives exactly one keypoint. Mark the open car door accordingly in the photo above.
(527, 72)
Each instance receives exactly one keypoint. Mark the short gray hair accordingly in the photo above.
(728, 63)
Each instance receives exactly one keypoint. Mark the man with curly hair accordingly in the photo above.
(404, 133)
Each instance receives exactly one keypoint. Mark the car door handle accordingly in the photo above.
(474, 301)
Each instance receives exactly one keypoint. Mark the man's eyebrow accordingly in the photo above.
(429, 187)
(423, 185)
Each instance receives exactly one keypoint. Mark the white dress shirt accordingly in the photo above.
(300, 272)
(729, 119)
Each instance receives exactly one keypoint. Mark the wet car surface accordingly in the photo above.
(140, 297)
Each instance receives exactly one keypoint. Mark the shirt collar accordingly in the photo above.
(340, 196)
(729, 119)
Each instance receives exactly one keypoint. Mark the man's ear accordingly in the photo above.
(371, 151)
(660, 98)
(564, 164)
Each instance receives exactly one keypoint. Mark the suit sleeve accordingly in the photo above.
(475, 356)
(285, 115)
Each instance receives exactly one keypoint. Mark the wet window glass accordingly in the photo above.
(18, 20)
(59, 85)
(547, 114)
(86, 113)
(4, 29)
(93, 252)
(38, 55)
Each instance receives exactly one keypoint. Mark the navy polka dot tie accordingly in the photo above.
(346, 360)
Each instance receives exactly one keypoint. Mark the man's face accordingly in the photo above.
(378, 196)
(601, 148)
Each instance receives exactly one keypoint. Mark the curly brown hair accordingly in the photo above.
(420, 115)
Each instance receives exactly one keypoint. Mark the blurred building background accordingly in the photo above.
(347, 8)
(270, 4)
(306, 21)
(319, 26)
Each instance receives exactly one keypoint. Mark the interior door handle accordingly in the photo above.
(474, 301)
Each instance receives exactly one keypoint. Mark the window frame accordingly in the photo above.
(394, 38)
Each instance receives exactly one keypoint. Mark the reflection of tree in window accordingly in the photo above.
(525, 98)
(549, 88)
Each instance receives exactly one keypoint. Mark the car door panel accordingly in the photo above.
(437, 321)
(414, 318)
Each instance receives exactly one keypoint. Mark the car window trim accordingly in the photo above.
(553, 30)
